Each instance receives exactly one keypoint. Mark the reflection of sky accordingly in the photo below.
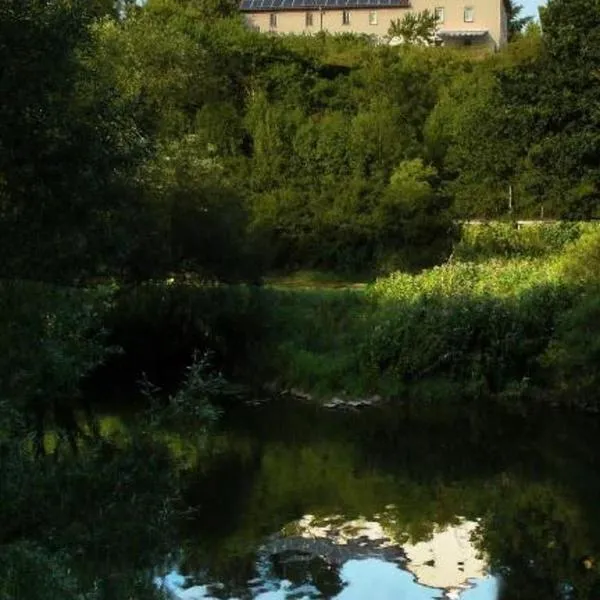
(440, 568)
(379, 580)
(370, 578)
(486, 589)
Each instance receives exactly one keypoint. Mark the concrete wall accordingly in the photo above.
(488, 14)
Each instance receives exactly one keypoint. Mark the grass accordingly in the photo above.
(479, 328)
(307, 280)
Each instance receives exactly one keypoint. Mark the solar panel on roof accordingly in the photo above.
(274, 5)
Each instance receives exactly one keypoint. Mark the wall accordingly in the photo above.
(488, 15)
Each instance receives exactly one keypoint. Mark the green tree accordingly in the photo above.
(414, 28)
(66, 147)
(516, 22)
(557, 95)
(482, 129)
(411, 220)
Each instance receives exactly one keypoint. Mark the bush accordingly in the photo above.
(572, 358)
(485, 342)
(314, 338)
(482, 326)
(159, 326)
(51, 338)
(505, 240)
(581, 261)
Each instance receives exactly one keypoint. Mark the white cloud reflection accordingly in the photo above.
(445, 567)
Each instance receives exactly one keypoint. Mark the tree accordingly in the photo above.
(516, 22)
(66, 146)
(477, 142)
(558, 94)
(411, 219)
(414, 28)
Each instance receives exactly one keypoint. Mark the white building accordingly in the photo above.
(460, 22)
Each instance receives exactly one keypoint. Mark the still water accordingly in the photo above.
(292, 501)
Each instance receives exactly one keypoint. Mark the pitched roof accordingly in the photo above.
(274, 5)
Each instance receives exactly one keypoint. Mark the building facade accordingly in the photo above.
(460, 22)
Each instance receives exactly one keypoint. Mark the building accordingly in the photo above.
(460, 22)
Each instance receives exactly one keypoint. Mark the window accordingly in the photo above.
(439, 14)
(273, 20)
(345, 17)
(309, 20)
(373, 17)
(469, 14)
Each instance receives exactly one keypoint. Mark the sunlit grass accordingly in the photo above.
(314, 279)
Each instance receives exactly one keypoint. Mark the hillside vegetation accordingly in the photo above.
(163, 166)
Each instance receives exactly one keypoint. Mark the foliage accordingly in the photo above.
(570, 360)
(477, 327)
(506, 240)
(313, 338)
(411, 218)
(193, 400)
(480, 323)
(67, 145)
(159, 326)
(44, 379)
(516, 22)
(414, 28)
(581, 261)
(525, 122)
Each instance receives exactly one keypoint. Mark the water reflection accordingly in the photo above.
(279, 476)
(359, 559)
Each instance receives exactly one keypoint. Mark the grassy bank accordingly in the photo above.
(511, 326)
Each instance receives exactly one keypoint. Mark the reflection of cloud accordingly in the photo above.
(448, 559)
(372, 565)
(342, 532)
(447, 562)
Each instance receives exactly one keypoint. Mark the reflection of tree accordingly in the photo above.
(536, 538)
(408, 475)
(300, 569)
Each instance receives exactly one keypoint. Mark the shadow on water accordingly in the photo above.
(298, 502)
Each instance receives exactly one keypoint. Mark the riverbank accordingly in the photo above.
(515, 325)
(291, 494)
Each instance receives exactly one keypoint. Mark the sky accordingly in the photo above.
(530, 6)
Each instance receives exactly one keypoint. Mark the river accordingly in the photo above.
(293, 501)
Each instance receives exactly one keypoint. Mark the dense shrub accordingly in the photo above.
(51, 339)
(159, 326)
(580, 264)
(573, 357)
(494, 277)
(467, 328)
(314, 339)
(505, 240)
(485, 341)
